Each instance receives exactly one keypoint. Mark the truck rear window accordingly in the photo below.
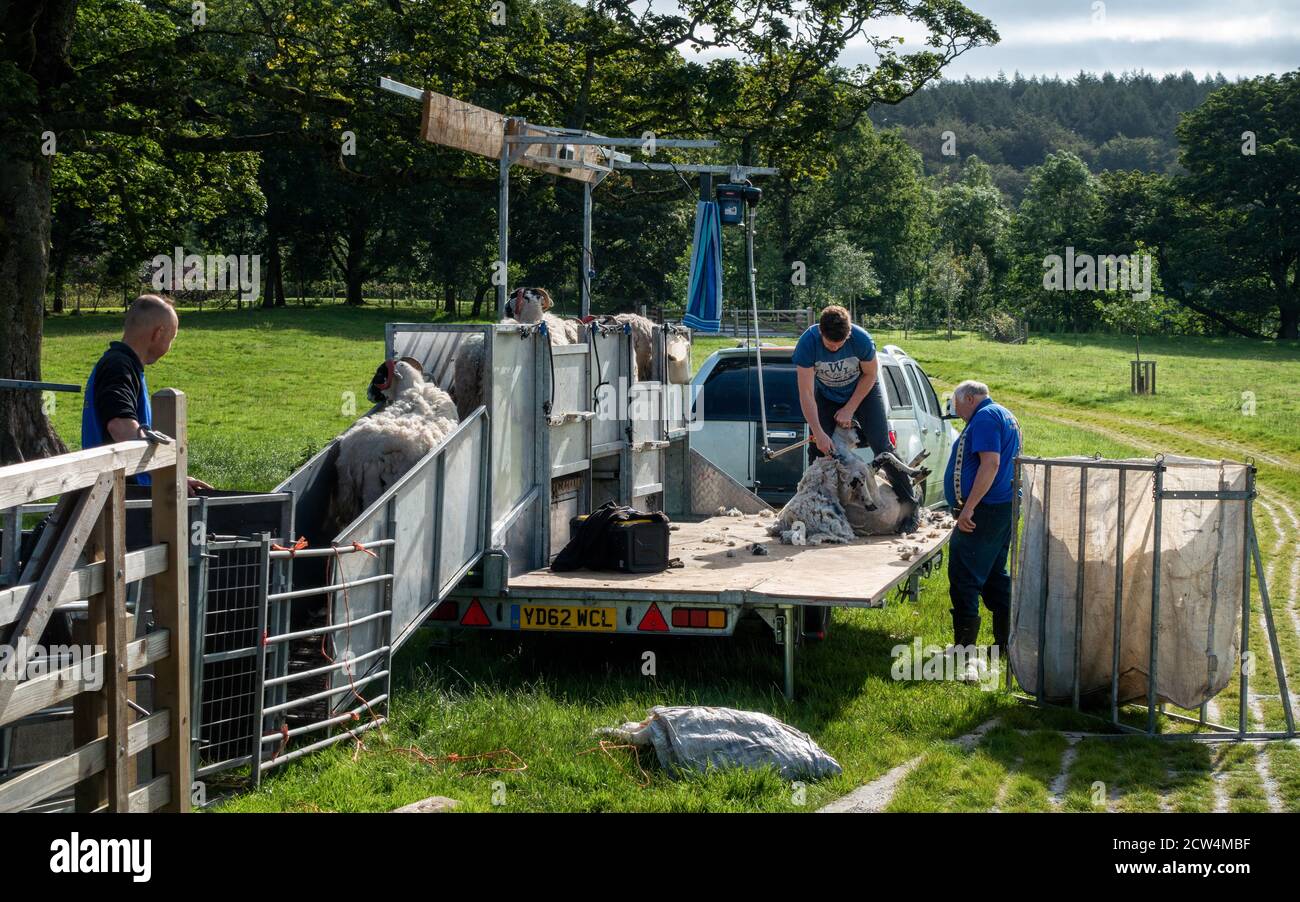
(731, 391)
(896, 388)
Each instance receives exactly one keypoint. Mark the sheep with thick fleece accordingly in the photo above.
(378, 449)
(839, 497)
(525, 306)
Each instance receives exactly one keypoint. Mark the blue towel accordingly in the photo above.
(704, 292)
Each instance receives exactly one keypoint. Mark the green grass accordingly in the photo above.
(267, 388)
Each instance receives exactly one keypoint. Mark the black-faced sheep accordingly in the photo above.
(375, 452)
(839, 497)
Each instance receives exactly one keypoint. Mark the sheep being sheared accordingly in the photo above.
(839, 497)
(525, 306)
(375, 452)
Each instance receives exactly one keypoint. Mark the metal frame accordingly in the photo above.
(515, 148)
(1207, 731)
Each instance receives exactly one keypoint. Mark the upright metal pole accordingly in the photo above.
(1078, 586)
(501, 273)
(1043, 583)
(1015, 567)
(1152, 669)
(1118, 613)
(588, 258)
(753, 301)
(1244, 700)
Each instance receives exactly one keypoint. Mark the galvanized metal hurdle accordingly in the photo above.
(273, 702)
(1207, 731)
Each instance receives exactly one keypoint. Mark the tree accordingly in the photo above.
(1241, 150)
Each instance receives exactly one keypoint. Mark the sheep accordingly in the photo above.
(524, 306)
(839, 498)
(377, 449)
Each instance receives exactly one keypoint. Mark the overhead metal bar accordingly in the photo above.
(39, 386)
(734, 171)
(600, 140)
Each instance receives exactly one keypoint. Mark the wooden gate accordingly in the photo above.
(81, 554)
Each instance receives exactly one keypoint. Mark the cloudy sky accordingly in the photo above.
(1239, 38)
(1044, 37)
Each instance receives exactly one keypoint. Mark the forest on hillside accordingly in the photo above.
(1111, 122)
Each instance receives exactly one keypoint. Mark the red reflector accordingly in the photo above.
(681, 617)
(447, 610)
(475, 616)
(653, 621)
(893, 438)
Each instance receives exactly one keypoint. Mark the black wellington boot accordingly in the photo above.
(1002, 632)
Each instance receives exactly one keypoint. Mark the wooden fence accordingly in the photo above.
(81, 554)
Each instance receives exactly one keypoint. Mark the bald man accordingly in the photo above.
(116, 406)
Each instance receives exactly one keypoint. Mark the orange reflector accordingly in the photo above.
(717, 620)
(475, 616)
(653, 621)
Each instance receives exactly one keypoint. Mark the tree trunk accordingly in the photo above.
(449, 297)
(479, 294)
(1288, 321)
(274, 296)
(35, 45)
(60, 278)
(25, 432)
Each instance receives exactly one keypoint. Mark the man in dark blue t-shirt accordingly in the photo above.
(979, 489)
(116, 403)
(837, 368)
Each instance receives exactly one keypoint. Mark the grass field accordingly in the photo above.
(268, 387)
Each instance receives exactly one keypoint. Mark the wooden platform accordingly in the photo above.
(858, 575)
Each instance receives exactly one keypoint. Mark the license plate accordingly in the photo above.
(563, 617)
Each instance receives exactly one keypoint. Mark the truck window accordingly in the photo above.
(731, 391)
(896, 387)
(927, 388)
(919, 390)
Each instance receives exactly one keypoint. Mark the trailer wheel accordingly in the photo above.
(816, 623)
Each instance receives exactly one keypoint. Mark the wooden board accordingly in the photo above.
(454, 123)
(860, 574)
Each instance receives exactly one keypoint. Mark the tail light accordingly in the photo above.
(447, 610)
(700, 618)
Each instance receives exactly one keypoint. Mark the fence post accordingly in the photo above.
(120, 775)
(171, 598)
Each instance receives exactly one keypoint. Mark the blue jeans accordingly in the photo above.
(977, 562)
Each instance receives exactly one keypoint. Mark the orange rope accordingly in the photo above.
(455, 758)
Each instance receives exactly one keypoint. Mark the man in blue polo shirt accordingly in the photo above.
(116, 403)
(978, 486)
(837, 372)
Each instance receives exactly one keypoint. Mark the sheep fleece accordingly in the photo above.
(378, 449)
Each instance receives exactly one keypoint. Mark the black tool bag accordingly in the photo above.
(616, 537)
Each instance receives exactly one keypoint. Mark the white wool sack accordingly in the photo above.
(694, 737)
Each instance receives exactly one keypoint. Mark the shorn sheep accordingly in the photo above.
(839, 497)
(375, 452)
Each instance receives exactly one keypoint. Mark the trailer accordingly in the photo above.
(562, 429)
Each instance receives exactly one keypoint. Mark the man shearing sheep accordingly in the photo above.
(837, 372)
(116, 406)
(978, 486)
